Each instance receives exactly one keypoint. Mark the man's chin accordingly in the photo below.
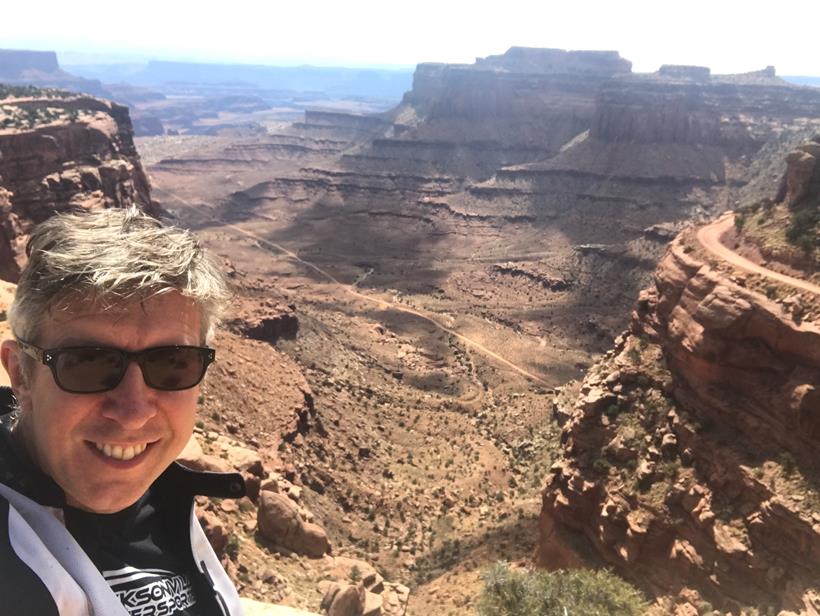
(105, 501)
(109, 484)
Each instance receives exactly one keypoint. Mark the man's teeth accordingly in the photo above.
(121, 453)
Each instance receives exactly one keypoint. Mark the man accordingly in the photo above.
(110, 319)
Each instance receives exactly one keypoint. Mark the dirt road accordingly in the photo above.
(709, 237)
(350, 289)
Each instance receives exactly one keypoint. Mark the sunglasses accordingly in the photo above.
(93, 370)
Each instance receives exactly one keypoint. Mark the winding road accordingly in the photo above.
(709, 237)
(351, 290)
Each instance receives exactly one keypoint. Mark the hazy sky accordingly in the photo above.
(726, 35)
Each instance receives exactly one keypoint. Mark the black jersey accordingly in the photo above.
(153, 555)
(139, 556)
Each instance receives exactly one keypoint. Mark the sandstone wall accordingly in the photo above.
(78, 152)
(526, 102)
(649, 109)
(509, 108)
(738, 358)
(689, 459)
(346, 120)
(586, 112)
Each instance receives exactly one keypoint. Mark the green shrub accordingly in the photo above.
(787, 463)
(601, 466)
(232, 547)
(580, 592)
(802, 230)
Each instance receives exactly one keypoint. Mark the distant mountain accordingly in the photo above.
(40, 68)
(334, 81)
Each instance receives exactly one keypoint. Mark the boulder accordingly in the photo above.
(244, 459)
(194, 458)
(345, 600)
(280, 521)
(381, 597)
(799, 171)
(214, 531)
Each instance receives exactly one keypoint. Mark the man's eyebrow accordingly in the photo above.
(77, 341)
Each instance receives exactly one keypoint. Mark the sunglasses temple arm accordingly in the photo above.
(31, 350)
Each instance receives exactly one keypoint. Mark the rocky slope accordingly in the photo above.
(689, 454)
(785, 230)
(60, 151)
(256, 406)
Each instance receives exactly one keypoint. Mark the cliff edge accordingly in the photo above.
(689, 451)
(60, 151)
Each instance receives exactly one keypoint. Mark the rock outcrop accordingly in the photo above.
(281, 522)
(519, 106)
(58, 152)
(540, 60)
(689, 459)
(802, 178)
(739, 359)
(355, 588)
(268, 322)
(15, 63)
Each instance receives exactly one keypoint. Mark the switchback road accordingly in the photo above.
(709, 237)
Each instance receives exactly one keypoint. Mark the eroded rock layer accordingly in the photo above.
(516, 107)
(689, 458)
(58, 152)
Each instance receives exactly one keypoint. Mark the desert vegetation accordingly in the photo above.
(791, 235)
(584, 592)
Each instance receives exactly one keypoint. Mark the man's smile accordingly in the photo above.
(121, 452)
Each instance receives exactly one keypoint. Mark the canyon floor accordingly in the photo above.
(432, 362)
(437, 333)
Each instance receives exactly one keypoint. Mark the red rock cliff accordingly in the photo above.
(689, 460)
(59, 152)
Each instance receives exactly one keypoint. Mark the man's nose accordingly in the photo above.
(131, 403)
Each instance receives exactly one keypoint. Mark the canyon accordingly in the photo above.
(426, 303)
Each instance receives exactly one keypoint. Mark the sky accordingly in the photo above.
(725, 35)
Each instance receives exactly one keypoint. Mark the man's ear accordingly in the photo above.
(12, 358)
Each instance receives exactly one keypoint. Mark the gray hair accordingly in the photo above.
(112, 257)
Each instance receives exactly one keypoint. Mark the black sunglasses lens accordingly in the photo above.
(88, 370)
(173, 368)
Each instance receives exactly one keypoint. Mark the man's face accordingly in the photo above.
(81, 440)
